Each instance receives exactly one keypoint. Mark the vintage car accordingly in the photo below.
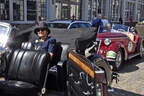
(120, 45)
(69, 24)
(25, 72)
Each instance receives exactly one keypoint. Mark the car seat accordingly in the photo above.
(57, 69)
(26, 72)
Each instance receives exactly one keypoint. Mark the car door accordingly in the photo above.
(81, 76)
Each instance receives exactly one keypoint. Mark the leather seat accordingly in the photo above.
(26, 45)
(26, 72)
(57, 69)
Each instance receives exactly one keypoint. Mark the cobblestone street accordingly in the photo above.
(131, 80)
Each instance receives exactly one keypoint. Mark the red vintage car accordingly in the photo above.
(119, 45)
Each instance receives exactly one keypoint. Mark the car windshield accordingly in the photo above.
(120, 27)
(3, 30)
(58, 25)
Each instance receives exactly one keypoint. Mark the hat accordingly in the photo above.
(41, 25)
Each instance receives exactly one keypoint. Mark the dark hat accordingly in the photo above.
(41, 25)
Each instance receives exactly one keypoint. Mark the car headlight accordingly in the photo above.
(107, 41)
(3, 40)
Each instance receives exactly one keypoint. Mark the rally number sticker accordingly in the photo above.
(130, 46)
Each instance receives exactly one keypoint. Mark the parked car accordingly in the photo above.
(69, 24)
(119, 46)
(25, 72)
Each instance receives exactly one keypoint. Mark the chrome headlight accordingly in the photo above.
(107, 41)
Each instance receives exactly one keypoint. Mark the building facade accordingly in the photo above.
(29, 11)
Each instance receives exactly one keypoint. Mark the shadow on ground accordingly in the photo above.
(120, 92)
(131, 65)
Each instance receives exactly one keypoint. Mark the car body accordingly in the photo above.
(119, 45)
(68, 24)
(73, 74)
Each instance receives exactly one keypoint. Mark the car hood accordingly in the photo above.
(110, 35)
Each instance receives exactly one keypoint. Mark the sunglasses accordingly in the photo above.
(41, 29)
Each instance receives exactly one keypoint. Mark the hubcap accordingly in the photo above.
(118, 59)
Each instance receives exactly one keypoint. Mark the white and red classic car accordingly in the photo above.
(120, 45)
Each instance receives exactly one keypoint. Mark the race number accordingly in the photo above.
(130, 46)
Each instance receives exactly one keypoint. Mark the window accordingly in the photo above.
(115, 10)
(18, 9)
(58, 25)
(42, 9)
(75, 25)
(82, 25)
(31, 9)
(129, 11)
(4, 9)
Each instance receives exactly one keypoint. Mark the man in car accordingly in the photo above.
(109, 28)
(44, 42)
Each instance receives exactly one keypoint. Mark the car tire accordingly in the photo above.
(119, 60)
(142, 50)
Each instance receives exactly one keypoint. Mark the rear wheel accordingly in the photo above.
(119, 60)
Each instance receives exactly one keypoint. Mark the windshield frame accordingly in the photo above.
(121, 27)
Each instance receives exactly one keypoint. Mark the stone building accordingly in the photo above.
(29, 11)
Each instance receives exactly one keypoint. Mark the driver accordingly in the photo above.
(43, 42)
(109, 28)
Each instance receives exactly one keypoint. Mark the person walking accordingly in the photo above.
(120, 20)
(97, 23)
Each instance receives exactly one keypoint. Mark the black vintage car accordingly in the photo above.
(25, 72)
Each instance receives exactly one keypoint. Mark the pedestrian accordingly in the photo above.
(131, 21)
(43, 42)
(97, 23)
(120, 20)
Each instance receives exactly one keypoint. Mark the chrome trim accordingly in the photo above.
(130, 57)
(89, 83)
(114, 38)
(87, 93)
(110, 60)
(99, 46)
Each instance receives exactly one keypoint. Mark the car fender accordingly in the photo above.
(114, 48)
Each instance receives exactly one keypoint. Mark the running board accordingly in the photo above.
(132, 56)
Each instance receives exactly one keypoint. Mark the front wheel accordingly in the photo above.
(119, 60)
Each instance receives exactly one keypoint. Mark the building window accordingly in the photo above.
(115, 10)
(100, 6)
(142, 13)
(94, 9)
(42, 9)
(31, 10)
(129, 11)
(18, 10)
(75, 9)
(4, 9)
